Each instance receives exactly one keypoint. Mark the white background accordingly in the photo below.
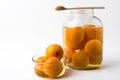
(27, 27)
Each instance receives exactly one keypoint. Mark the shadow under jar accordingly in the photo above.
(83, 39)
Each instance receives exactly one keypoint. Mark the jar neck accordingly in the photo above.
(83, 13)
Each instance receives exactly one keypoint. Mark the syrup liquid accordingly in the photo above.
(76, 39)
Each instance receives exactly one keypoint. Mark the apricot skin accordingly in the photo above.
(93, 48)
(53, 67)
(54, 50)
(39, 70)
(72, 46)
(39, 66)
(80, 59)
(96, 60)
(93, 32)
(41, 59)
(74, 35)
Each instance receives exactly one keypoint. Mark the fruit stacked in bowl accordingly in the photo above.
(52, 65)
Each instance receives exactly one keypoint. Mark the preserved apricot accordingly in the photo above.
(93, 32)
(71, 45)
(53, 67)
(80, 59)
(39, 66)
(41, 59)
(39, 70)
(54, 50)
(74, 35)
(96, 60)
(93, 48)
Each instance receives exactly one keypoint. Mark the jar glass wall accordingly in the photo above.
(83, 39)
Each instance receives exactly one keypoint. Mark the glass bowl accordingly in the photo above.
(47, 68)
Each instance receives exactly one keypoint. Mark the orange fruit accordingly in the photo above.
(39, 70)
(54, 50)
(96, 60)
(74, 35)
(80, 59)
(68, 53)
(76, 46)
(93, 32)
(99, 33)
(41, 59)
(93, 48)
(39, 66)
(71, 45)
(53, 67)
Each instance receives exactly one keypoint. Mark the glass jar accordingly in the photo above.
(83, 39)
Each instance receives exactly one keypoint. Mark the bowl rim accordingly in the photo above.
(63, 60)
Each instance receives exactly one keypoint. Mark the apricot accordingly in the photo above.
(54, 50)
(71, 45)
(93, 32)
(41, 59)
(39, 70)
(99, 34)
(76, 46)
(80, 59)
(93, 48)
(39, 66)
(68, 53)
(53, 67)
(74, 35)
(96, 60)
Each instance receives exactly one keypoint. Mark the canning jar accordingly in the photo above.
(83, 39)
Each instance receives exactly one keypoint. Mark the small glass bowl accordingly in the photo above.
(49, 70)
